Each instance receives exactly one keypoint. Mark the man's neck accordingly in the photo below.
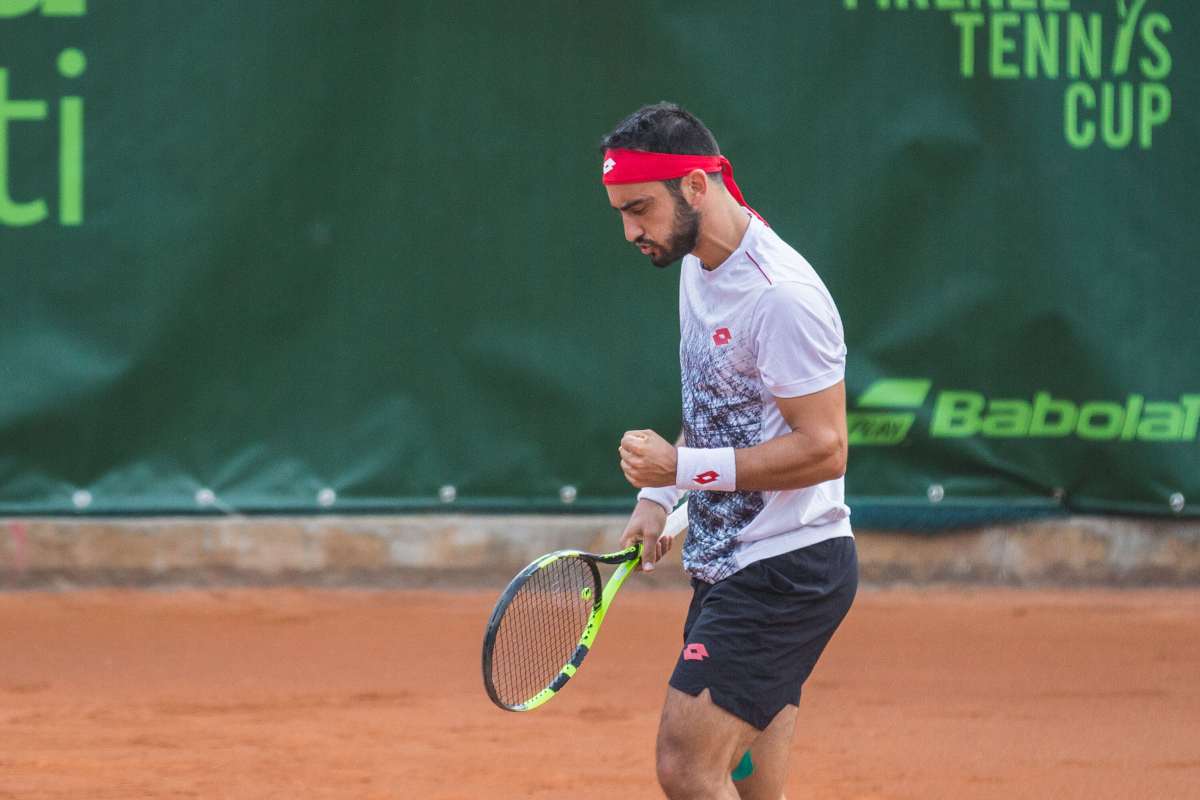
(721, 232)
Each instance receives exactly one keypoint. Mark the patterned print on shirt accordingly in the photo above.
(722, 407)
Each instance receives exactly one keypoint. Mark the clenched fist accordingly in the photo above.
(647, 459)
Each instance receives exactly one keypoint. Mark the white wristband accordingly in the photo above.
(712, 470)
(665, 496)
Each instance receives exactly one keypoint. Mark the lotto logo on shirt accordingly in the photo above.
(722, 336)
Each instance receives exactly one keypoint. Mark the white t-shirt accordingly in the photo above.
(761, 325)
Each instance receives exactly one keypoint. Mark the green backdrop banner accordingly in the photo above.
(290, 256)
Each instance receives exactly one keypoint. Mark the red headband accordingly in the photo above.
(641, 166)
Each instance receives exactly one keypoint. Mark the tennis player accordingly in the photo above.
(763, 451)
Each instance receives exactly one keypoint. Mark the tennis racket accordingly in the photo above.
(546, 621)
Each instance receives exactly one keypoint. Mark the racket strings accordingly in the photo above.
(541, 628)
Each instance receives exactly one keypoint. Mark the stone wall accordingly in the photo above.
(487, 549)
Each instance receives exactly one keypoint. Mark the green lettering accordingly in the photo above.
(70, 161)
(1191, 404)
(1057, 5)
(948, 5)
(1155, 110)
(1003, 44)
(1163, 422)
(1041, 44)
(957, 414)
(1133, 411)
(71, 64)
(17, 8)
(1084, 45)
(12, 212)
(1124, 43)
(877, 428)
(1079, 135)
(1044, 406)
(1023, 5)
(50, 8)
(967, 23)
(1090, 426)
(64, 8)
(901, 392)
(1116, 137)
(1160, 68)
(1007, 418)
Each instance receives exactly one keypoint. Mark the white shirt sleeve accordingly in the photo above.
(799, 344)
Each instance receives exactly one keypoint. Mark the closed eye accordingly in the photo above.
(635, 206)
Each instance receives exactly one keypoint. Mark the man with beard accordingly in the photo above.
(763, 451)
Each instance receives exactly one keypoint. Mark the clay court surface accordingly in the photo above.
(373, 694)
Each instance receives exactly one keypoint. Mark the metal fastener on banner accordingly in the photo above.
(326, 497)
(567, 494)
(935, 493)
(81, 499)
(447, 494)
(1178, 502)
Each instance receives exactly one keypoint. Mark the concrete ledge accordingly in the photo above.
(474, 550)
(1101, 551)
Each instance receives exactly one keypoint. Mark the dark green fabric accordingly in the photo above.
(364, 245)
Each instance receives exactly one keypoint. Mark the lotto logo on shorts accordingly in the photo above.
(722, 336)
(705, 478)
(695, 652)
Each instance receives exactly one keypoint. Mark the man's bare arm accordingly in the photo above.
(814, 452)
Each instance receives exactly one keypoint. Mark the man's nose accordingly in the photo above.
(633, 230)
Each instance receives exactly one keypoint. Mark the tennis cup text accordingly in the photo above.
(1113, 53)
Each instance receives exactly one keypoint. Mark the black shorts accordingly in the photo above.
(753, 638)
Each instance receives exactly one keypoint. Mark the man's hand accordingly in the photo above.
(647, 459)
(646, 526)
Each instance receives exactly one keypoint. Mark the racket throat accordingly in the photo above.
(570, 668)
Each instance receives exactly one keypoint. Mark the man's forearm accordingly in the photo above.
(793, 461)
(805, 457)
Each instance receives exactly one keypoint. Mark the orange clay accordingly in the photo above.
(363, 694)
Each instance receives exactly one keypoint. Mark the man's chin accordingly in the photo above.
(664, 261)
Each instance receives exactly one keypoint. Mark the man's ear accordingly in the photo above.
(695, 187)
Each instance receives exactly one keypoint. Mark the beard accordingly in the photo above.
(685, 232)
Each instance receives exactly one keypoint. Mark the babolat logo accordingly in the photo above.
(886, 427)
(887, 411)
(1114, 55)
